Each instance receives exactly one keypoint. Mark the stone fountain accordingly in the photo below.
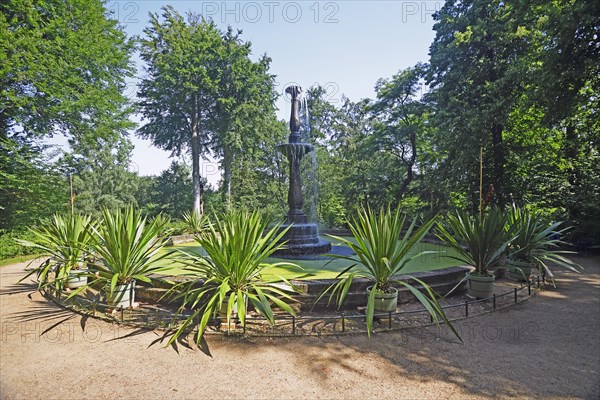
(302, 238)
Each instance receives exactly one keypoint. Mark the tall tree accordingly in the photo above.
(180, 91)
(476, 70)
(398, 121)
(63, 66)
(245, 106)
(565, 82)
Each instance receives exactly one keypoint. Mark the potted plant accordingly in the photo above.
(536, 244)
(382, 251)
(67, 241)
(236, 248)
(480, 242)
(128, 248)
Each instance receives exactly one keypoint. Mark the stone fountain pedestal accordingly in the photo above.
(302, 237)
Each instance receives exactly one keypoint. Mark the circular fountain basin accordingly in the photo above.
(300, 251)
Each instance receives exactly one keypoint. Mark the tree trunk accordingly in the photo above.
(197, 182)
(498, 150)
(573, 177)
(196, 173)
(409, 165)
(227, 161)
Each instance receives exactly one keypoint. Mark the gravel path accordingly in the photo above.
(547, 347)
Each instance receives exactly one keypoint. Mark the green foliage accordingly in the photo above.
(203, 93)
(477, 69)
(383, 251)
(195, 223)
(399, 121)
(480, 241)
(172, 190)
(101, 176)
(257, 181)
(67, 241)
(346, 172)
(128, 247)
(538, 243)
(245, 109)
(31, 186)
(63, 67)
(10, 248)
(236, 247)
(333, 212)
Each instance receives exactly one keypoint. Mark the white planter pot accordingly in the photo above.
(122, 297)
(385, 302)
(76, 279)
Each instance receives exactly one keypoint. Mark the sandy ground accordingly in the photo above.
(547, 347)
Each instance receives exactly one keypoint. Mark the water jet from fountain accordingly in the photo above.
(302, 238)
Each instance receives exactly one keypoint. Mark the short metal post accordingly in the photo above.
(466, 309)
(122, 312)
(389, 320)
(343, 323)
(515, 295)
(529, 288)
(293, 325)
(538, 282)
(494, 300)
(244, 326)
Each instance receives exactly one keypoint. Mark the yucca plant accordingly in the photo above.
(479, 241)
(195, 222)
(236, 248)
(67, 241)
(162, 222)
(538, 243)
(383, 251)
(128, 248)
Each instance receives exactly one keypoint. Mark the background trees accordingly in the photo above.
(203, 93)
(179, 92)
(519, 79)
(31, 186)
(62, 67)
(100, 173)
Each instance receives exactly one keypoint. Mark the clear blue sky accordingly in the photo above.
(342, 45)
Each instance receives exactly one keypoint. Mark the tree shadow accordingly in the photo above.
(544, 347)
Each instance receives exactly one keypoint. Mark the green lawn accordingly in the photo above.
(17, 259)
(328, 269)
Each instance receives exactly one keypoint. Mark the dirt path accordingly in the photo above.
(547, 347)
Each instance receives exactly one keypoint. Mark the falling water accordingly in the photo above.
(309, 171)
(300, 233)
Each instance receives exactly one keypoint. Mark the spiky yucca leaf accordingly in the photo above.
(67, 241)
(195, 222)
(128, 247)
(479, 241)
(538, 243)
(384, 252)
(236, 248)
